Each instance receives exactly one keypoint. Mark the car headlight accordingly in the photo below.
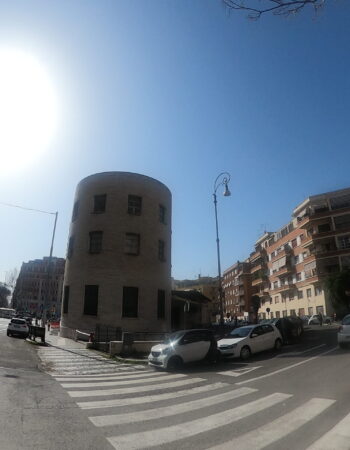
(166, 350)
(232, 346)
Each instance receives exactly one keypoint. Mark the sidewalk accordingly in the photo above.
(65, 343)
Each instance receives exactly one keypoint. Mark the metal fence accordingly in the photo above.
(105, 333)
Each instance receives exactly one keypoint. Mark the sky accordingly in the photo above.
(180, 90)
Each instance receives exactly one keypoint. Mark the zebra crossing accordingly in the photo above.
(153, 409)
(73, 361)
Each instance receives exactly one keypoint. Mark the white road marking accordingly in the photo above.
(122, 382)
(171, 410)
(284, 355)
(151, 398)
(161, 436)
(271, 432)
(338, 437)
(111, 376)
(239, 372)
(286, 368)
(132, 390)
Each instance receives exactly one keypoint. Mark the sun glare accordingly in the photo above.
(28, 109)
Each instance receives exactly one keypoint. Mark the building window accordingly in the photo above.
(318, 290)
(130, 301)
(100, 203)
(132, 244)
(134, 205)
(161, 304)
(277, 300)
(292, 312)
(75, 211)
(344, 242)
(91, 300)
(294, 243)
(70, 247)
(308, 293)
(278, 314)
(284, 313)
(310, 310)
(95, 245)
(302, 237)
(65, 299)
(300, 294)
(162, 214)
(298, 276)
(161, 250)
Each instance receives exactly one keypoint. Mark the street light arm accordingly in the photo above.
(225, 179)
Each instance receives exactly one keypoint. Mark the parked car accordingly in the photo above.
(183, 347)
(344, 332)
(222, 330)
(305, 319)
(244, 341)
(315, 319)
(290, 327)
(18, 327)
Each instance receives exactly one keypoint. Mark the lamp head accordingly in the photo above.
(227, 192)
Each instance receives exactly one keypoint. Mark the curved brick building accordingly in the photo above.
(119, 255)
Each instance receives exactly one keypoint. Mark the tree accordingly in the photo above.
(256, 8)
(338, 287)
(4, 293)
(255, 303)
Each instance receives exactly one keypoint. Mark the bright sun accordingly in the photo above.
(28, 109)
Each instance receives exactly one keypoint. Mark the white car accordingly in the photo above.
(18, 327)
(244, 341)
(314, 320)
(183, 347)
(344, 332)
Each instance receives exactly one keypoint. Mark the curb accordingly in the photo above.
(130, 360)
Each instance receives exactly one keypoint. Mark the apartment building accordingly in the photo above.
(315, 243)
(237, 288)
(37, 284)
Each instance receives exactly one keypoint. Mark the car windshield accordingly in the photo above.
(173, 337)
(240, 332)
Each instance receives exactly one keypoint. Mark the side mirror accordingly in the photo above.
(253, 335)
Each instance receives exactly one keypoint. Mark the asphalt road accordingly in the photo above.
(295, 399)
(35, 411)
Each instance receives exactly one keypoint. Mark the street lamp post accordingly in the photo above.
(221, 180)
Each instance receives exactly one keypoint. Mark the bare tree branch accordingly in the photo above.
(256, 8)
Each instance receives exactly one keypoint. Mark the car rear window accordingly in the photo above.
(346, 320)
(18, 321)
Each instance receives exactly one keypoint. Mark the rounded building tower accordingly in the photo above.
(118, 264)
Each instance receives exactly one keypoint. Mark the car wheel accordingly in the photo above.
(174, 363)
(278, 344)
(245, 353)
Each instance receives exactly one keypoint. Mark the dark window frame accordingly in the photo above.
(130, 302)
(100, 202)
(75, 211)
(70, 249)
(95, 245)
(162, 214)
(127, 247)
(91, 299)
(134, 205)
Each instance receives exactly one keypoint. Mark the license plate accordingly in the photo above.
(17, 326)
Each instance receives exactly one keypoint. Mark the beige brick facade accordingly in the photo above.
(120, 239)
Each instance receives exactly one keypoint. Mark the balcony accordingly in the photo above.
(256, 268)
(285, 252)
(285, 270)
(285, 287)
